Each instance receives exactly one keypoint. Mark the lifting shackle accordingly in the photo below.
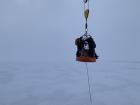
(86, 13)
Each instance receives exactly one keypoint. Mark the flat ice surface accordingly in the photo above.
(112, 83)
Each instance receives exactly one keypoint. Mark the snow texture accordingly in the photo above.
(112, 83)
(37, 52)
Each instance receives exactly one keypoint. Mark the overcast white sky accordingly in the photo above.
(44, 30)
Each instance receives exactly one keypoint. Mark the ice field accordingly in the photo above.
(112, 83)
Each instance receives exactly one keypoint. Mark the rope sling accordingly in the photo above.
(86, 14)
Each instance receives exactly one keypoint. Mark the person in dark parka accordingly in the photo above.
(90, 46)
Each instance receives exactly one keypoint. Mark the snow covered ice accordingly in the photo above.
(37, 52)
(112, 83)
